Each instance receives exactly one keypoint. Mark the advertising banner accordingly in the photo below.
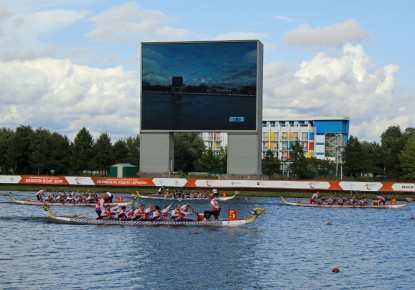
(51, 180)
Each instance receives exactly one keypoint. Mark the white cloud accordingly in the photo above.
(128, 22)
(343, 84)
(335, 34)
(241, 36)
(23, 33)
(287, 19)
(64, 97)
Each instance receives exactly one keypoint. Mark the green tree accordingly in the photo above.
(133, 146)
(120, 151)
(300, 166)
(270, 164)
(407, 159)
(353, 157)
(392, 142)
(323, 167)
(22, 144)
(211, 162)
(372, 158)
(60, 153)
(7, 151)
(188, 148)
(82, 153)
(207, 162)
(40, 150)
(409, 133)
(103, 157)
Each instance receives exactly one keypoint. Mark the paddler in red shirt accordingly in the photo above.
(99, 206)
(177, 214)
(215, 211)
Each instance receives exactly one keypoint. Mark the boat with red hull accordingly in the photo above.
(379, 206)
(33, 202)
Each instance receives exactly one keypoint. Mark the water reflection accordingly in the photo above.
(288, 248)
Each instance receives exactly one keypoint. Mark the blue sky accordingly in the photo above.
(65, 65)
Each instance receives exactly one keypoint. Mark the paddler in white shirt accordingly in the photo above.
(99, 206)
(184, 209)
(40, 194)
(314, 198)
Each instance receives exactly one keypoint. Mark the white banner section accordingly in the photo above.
(171, 182)
(360, 186)
(263, 184)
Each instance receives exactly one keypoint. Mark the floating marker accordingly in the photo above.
(196, 233)
(335, 270)
(328, 223)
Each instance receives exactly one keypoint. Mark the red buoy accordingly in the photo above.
(196, 233)
(329, 223)
(335, 270)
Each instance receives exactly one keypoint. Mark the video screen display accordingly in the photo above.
(199, 86)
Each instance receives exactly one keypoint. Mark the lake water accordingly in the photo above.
(288, 248)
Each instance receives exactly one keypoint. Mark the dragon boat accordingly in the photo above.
(386, 206)
(32, 202)
(184, 198)
(200, 222)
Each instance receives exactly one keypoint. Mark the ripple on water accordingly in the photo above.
(288, 248)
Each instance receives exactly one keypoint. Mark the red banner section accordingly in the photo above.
(50, 180)
(310, 185)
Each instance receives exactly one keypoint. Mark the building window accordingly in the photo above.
(265, 136)
(295, 135)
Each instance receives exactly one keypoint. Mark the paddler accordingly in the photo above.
(184, 209)
(122, 215)
(381, 199)
(40, 194)
(109, 212)
(314, 198)
(99, 207)
(177, 214)
(215, 211)
(109, 198)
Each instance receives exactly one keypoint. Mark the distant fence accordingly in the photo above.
(209, 183)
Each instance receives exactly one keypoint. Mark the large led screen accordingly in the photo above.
(200, 86)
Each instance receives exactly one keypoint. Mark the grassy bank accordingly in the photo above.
(242, 193)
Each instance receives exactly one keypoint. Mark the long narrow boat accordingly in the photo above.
(387, 206)
(158, 197)
(32, 202)
(202, 223)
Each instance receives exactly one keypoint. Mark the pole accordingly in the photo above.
(337, 161)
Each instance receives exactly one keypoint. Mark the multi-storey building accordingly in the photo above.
(215, 140)
(321, 137)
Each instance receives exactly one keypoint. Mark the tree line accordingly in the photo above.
(29, 151)
(41, 152)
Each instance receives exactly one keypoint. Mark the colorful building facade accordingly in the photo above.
(321, 137)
